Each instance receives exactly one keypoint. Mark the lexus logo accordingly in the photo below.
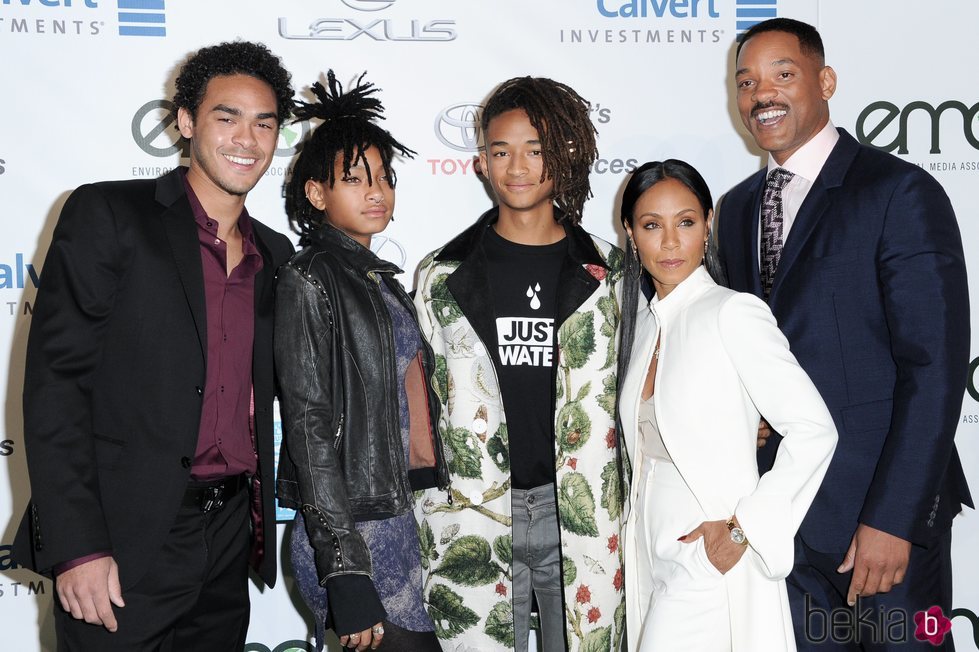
(457, 126)
(368, 5)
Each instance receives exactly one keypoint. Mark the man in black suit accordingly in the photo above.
(858, 253)
(148, 386)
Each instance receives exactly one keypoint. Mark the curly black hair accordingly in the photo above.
(232, 58)
(348, 128)
(567, 135)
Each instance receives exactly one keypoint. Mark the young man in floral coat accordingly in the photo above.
(522, 310)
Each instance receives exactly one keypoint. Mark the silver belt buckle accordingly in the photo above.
(213, 499)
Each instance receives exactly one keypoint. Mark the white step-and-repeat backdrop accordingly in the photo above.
(84, 88)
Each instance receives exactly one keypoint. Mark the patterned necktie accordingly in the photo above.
(771, 226)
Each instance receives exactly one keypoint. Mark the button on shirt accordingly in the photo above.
(225, 445)
(805, 164)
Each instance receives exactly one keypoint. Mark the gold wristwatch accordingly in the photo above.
(737, 534)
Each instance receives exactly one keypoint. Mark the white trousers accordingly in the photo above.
(685, 597)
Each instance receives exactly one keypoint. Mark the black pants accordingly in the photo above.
(194, 597)
(817, 594)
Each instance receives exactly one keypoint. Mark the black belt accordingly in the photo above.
(213, 494)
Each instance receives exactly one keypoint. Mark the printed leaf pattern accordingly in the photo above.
(576, 505)
(465, 539)
(465, 452)
(441, 377)
(450, 615)
(574, 426)
(611, 499)
(597, 640)
(616, 265)
(446, 310)
(499, 623)
(498, 448)
(427, 540)
(607, 398)
(503, 547)
(619, 619)
(577, 336)
(570, 571)
(467, 561)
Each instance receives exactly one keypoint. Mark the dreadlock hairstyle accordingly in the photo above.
(567, 135)
(348, 128)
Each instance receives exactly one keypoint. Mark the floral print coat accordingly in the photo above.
(466, 533)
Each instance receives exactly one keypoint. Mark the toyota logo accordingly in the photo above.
(457, 127)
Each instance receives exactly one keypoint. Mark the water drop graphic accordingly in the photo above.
(530, 291)
(535, 302)
(537, 287)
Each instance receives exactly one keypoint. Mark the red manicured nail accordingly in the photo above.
(683, 538)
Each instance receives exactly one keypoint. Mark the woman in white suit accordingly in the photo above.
(708, 543)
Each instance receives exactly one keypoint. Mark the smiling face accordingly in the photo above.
(513, 163)
(355, 206)
(233, 136)
(783, 93)
(669, 228)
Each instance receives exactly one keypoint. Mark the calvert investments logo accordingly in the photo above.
(751, 12)
(21, 279)
(372, 27)
(142, 18)
(654, 23)
(18, 589)
(83, 17)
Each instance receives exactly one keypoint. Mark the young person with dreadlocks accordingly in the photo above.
(522, 310)
(357, 409)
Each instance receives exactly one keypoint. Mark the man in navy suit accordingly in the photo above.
(859, 255)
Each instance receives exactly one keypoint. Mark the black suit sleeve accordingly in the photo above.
(79, 281)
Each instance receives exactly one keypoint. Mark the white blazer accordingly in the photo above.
(723, 362)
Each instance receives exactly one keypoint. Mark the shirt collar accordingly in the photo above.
(205, 222)
(809, 159)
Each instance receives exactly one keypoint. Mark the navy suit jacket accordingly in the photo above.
(871, 293)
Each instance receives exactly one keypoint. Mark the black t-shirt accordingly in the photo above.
(523, 282)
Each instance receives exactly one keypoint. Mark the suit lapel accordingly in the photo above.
(749, 236)
(181, 231)
(819, 199)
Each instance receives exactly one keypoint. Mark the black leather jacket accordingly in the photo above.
(342, 456)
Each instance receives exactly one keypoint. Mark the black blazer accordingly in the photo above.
(871, 293)
(115, 368)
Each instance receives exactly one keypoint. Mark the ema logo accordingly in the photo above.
(142, 18)
(457, 126)
(882, 113)
(751, 12)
